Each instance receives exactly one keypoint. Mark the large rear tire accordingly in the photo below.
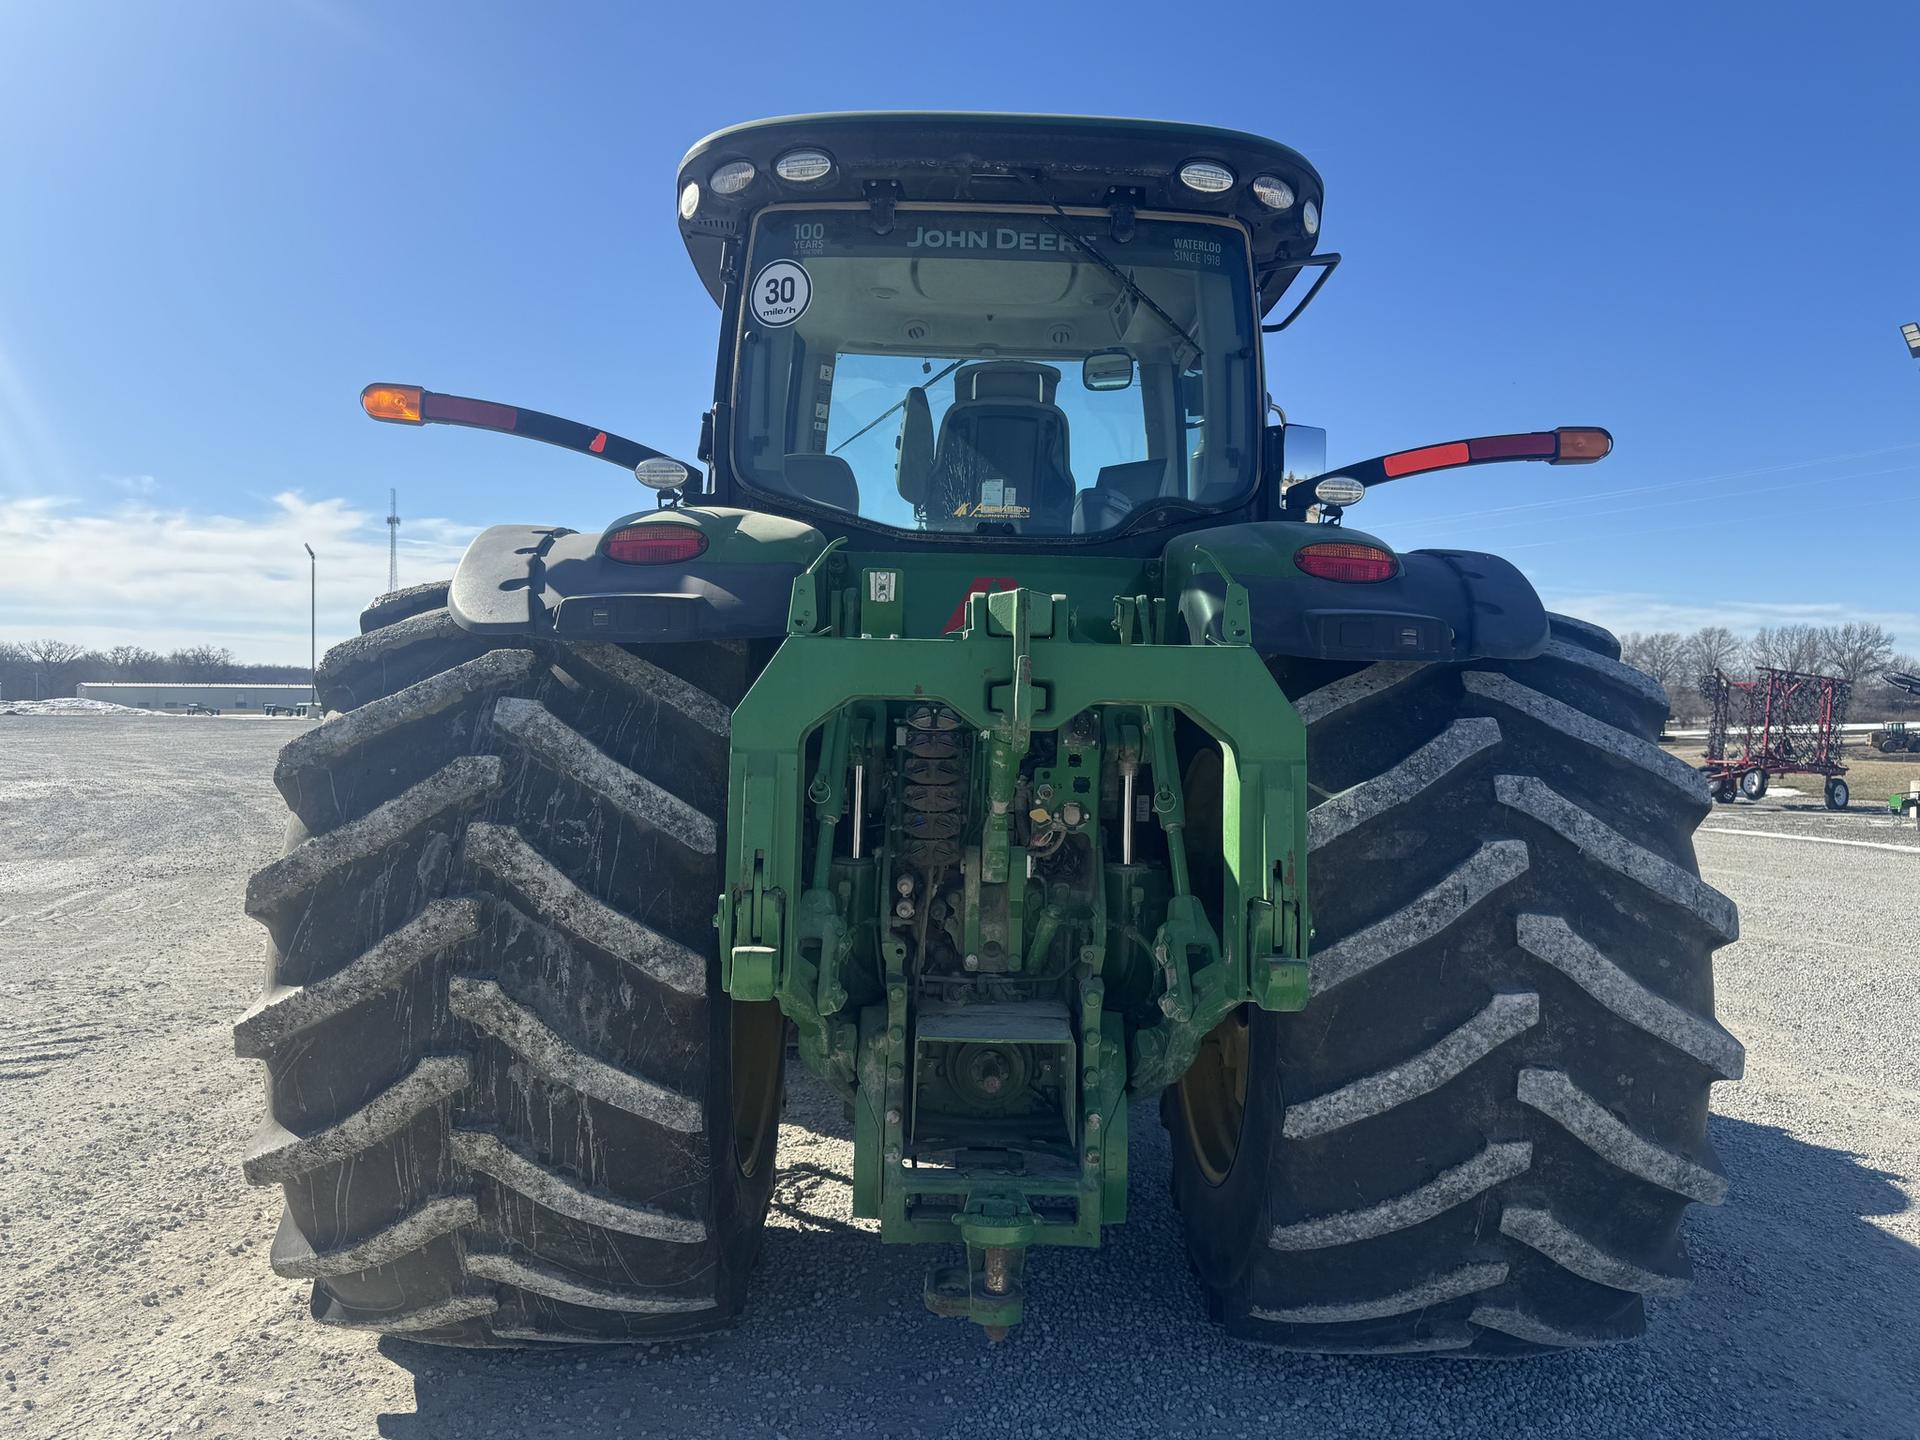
(508, 1102)
(1482, 1133)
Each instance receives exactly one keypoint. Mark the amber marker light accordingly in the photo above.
(399, 403)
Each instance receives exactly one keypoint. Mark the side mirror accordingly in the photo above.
(1294, 454)
(1107, 370)
(1303, 453)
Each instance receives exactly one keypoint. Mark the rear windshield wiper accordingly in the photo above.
(1159, 509)
(1085, 247)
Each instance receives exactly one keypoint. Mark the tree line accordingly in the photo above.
(1858, 651)
(50, 669)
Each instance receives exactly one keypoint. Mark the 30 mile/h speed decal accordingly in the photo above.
(780, 293)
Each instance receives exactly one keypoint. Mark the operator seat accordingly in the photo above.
(913, 465)
(1117, 492)
(1003, 443)
(823, 479)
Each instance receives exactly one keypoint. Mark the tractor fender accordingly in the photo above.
(1442, 605)
(549, 580)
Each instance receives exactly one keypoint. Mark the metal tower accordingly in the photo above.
(393, 540)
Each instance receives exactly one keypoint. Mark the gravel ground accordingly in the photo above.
(135, 1298)
(1866, 820)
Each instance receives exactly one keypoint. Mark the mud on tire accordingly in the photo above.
(1481, 1135)
(507, 1100)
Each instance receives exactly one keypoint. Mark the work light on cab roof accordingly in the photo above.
(944, 721)
(803, 166)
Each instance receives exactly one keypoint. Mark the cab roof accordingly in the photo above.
(1080, 161)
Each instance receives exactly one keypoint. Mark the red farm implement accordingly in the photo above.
(1781, 722)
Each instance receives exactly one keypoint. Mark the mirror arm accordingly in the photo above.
(432, 408)
(1568, 445)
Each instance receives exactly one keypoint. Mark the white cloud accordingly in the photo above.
(141, 574)
(1621, 611)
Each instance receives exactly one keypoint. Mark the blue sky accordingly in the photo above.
(1697, 225)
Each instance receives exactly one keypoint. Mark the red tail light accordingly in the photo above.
(656, 544)
(1427, 457)
(1359, 564)
(460, 410)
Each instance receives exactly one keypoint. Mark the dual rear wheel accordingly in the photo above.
(1481, 1135)
(507, 1101)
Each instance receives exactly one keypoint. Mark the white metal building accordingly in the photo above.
(169, 695)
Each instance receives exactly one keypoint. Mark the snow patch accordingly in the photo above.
(70, 706)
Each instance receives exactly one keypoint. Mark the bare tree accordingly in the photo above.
(1800, 644)
(53, 665)
(1710, 649)
(272, 674)
(1656, 652)
(49, 668)
(54, 652)
(1855, 651)
(201, 662)
(16, 671)
(1661, 654)
(134, 662)
(1785, 647)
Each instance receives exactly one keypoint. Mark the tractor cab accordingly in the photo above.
(970, 332)
(1034, 328)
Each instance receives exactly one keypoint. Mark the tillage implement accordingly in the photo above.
(1000, 721)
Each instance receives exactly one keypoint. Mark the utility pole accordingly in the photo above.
(393, 541)
(313, 625)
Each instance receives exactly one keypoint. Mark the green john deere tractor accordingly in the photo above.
(1003, 721)
(1897, 735)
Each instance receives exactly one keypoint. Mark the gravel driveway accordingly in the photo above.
(135, 1298)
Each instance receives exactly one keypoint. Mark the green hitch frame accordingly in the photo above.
(1015, 666)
